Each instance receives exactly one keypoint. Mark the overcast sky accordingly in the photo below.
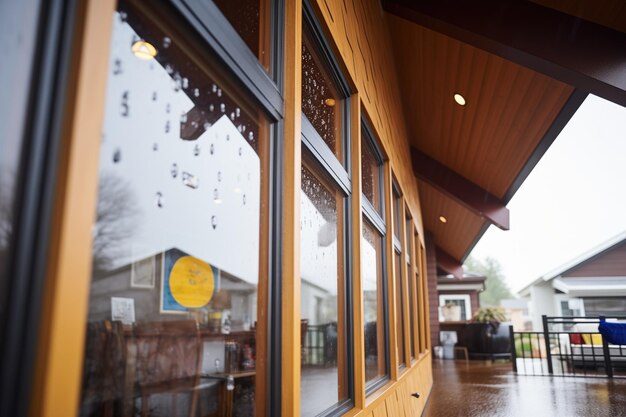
(574, 199)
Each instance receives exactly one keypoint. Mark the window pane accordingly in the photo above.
(370, 175)
(321, 102)
(176, 250)
(399, 307)
(251, 19)
(373, 303)
(396, 214)
(324, 372)
(18, 30)
(412, 311)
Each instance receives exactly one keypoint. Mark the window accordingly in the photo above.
(174, 321)
(372, 264)
(399, 276)
(326, 313)
(454, 307)
(411, 279)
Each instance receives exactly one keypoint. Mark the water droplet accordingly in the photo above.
(169, 69)
(166, 42)
(244, 199)
(174, 170)
(206, 125)
(232, 115)
(117, 155)
(216, 197)
(154, 96)
(155, 146)
(238, 112)
(214, 88)
(117, 67)
(214, 224)
(176, 83)
(219, 176)
(124, 109)
(211, 149)
(211, 107)
(183, 117)
(244, 128)
(194, 124)
(159, 200)
(227, 136)
(167, 126)
(196, 150)
(240, 128)
(123, 16)
(223, 108)
(185, 83)
(251, 135)
(219, 92)
(190, 180)
(196, 92)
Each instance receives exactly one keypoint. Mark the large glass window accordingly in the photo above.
(399, 276)
(410, 284)
(326, 331)
(372, 263)
(174, 324)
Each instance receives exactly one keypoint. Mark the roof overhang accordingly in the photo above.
(591, 286)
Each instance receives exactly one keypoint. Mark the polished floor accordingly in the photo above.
(483, 389)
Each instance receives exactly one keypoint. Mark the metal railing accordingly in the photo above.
(568, 346)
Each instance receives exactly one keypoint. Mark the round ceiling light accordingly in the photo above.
(442, 219)
(460, 100)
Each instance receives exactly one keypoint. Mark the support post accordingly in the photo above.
(513, 353)
(546, 339)
(607, 354)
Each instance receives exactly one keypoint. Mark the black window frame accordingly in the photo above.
(340, 174)
(377, 220)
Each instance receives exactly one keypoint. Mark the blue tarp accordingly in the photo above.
(614, 333)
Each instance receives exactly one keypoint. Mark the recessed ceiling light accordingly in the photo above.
(460, 100)
(442, 219)
(144, 50)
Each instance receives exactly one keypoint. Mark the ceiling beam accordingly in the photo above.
(586, 55)
(462, 190)
(450, 265)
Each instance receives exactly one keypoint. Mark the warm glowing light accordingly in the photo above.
(330, 102)
(144, 50)
(442, 219)
(460, 100)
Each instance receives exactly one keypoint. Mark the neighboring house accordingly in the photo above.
(516, 311)
(592, 284)
(460, 291)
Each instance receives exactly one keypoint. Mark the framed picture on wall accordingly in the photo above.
(187, 284)
(143, 273)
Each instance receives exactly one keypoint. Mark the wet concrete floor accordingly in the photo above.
(484, 389)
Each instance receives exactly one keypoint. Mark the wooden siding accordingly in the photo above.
(611, 263)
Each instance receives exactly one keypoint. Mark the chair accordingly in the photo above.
(168, 358)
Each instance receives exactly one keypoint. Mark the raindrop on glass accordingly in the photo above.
(222, 107)
(159, 200)
(211, 149)
(176, 83)
(219, 92)
(166, 42)
(185, 82)
(155, 146)
(206, 125)
(227, 136)
(240, 151)
(232, 115)
(168, 108)
(123, 16)
(244, 199)
(214, 88)
(124, 109)
(238, 112)
(211, 107)
(190, 180)
(214, 224)
(167, 126)
(219, 176)
(240, 128)
(216, 195)
(174, 170)
(183, 117)
(117, 155)
(169, 69)
(154, 96)
(251, 135)
(196, 150)
(117, 67)
(196, 92)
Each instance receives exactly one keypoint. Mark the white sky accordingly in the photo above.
(573, 200)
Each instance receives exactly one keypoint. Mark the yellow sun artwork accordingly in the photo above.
(192, 282)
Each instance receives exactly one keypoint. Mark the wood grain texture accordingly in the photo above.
(57, 379)
(609, 13)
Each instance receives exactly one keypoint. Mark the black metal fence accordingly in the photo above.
(320, 345)
(568, 346)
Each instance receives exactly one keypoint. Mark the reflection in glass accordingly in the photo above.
(411, 288)
(396, 213)
(370, 175)
(373, 303)
(173, 302)
(321, 266)
(321, 102)
(399, 307)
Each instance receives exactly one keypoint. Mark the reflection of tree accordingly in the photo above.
(6, 221)
(115, 221)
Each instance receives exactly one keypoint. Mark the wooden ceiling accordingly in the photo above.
(489, 140)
